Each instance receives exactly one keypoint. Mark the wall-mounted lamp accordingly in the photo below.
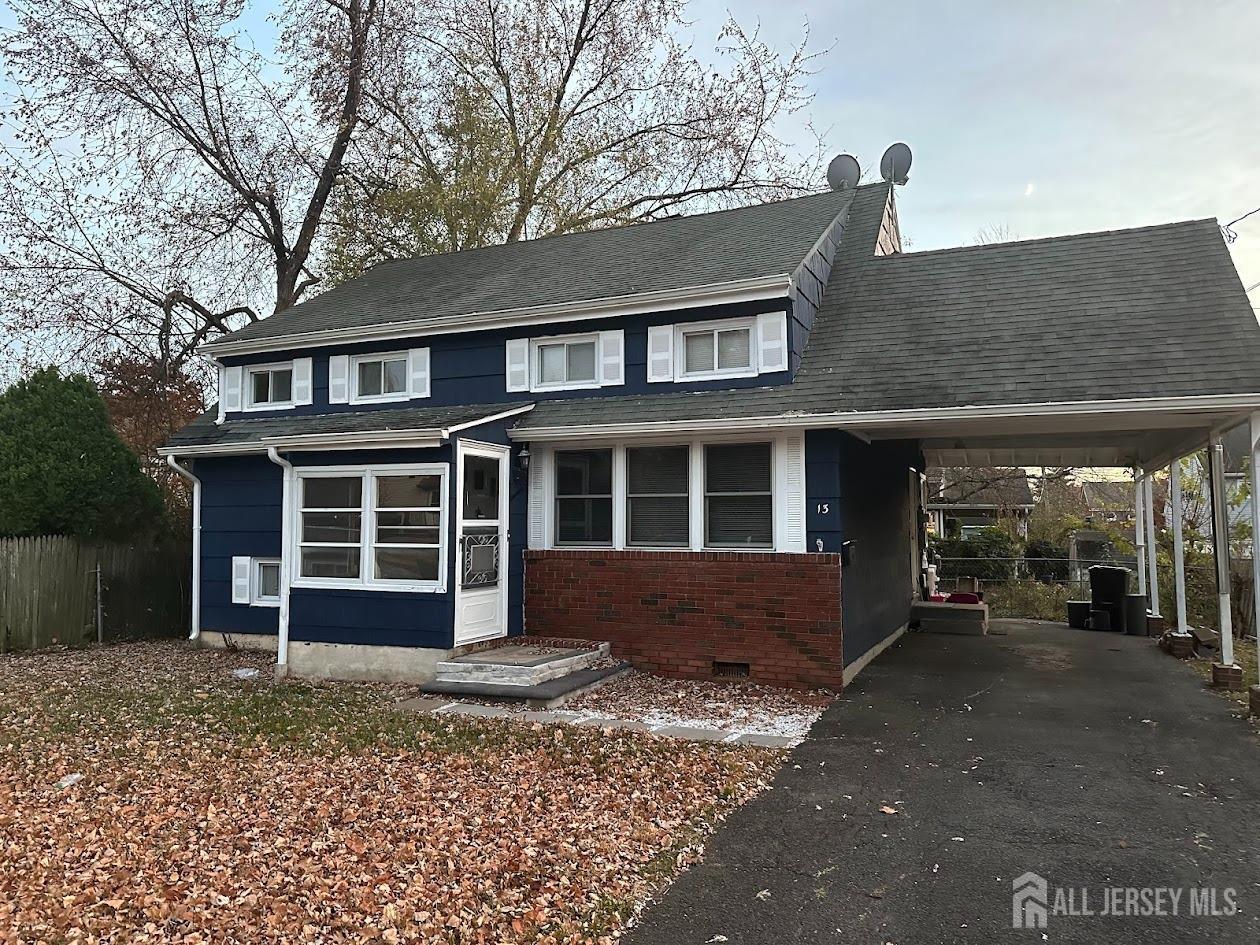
(522, 459)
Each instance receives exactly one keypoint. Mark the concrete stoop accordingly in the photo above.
(519, 665)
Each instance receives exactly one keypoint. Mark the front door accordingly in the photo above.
(481, 580)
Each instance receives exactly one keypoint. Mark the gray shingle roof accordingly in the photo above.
(205, 432)
(1109, 496)
(679, 252)
(1001, 488)
(1152, 312)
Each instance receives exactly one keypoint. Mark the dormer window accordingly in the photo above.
(569, 363)
(717, 352)
(566, 362)
(381, 377)
(271, 386)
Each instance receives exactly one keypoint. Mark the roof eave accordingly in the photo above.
(758, 288)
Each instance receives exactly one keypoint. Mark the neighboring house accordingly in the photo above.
(959, 507)
(701, 439)
(1110, 501)
(1236, 448)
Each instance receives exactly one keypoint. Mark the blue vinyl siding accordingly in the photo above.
(870, 487)
(240, 515)
(470, 368)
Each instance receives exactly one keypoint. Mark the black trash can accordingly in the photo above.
(1100, 619)
(1135, 615)
(1108, 587)
(1078, 613)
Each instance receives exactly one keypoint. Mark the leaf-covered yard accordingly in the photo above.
(213, 809)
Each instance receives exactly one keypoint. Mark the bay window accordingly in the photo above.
(584, 497)
(656, 496)
(376, 527)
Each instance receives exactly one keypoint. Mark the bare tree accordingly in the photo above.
(995, 233)
(166, 181)
(549, 116)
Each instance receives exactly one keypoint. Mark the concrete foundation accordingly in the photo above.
(358, 663)
(262, 642)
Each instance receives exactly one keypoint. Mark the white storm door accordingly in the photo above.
(481, 575)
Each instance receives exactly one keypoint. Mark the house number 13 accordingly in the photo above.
(824, 508)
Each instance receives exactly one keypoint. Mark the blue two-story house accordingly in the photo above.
(701, 439)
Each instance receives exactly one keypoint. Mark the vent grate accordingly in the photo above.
(730, 670)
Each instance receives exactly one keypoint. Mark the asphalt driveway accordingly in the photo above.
(1091, 759)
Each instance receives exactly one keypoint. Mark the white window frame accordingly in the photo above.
(353, 379)
(787, 490)
(535, 368)
(369, 473)
(255, 582)
(726, 324)
(556, 497)
(625, 452)
(247, 386)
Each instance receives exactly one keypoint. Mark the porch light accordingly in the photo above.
(522, 459)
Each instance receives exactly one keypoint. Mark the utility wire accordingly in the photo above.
(1228, 228)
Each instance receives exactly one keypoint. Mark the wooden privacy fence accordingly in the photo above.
(48, 591)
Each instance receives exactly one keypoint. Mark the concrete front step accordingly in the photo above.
(544, 695)
(519, 665)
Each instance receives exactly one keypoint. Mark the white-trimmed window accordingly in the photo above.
(725, 349)
(729, 348)
(584, 497)
(566, 362)
(256, 581)
(657, 488)
(379, 527)
(270, 385)
(278, 386)
(738, 495)
(378, 377)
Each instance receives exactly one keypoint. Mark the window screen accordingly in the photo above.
(331, 527)
(584, 497)
(656, 500)
(738, 511)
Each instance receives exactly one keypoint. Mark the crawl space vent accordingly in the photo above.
(730, 670)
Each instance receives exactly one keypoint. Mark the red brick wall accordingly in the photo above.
(676, 612)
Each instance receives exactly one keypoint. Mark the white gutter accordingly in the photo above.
(286, 562)
(878, 418)
(418, 438)
(194, 620)
(639, 303)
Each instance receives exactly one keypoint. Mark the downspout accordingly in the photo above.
(286, 563)
(194, 621)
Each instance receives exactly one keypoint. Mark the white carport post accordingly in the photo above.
(1152, 546)
(1139, 526)
(1179, 545)
(1220, 545)
(1255, 532)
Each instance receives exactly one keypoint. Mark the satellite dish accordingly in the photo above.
(894, 166)
(843, 172)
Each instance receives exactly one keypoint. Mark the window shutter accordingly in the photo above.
(518, 364)
(791, 494)
(230, 394)
(418, 368)
(302, 380)
(772, 353)
(660, 363)
(612, 346)
(240, 580)
(538, 501)
(339, 379)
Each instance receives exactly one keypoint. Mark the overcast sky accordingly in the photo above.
(1042, 117)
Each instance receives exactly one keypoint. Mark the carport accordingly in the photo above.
(1145, 436)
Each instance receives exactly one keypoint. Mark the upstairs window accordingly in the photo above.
(381, 378)
(738, 504)
(584, 497)
(271, 386)
(717, 352)
(569, 362)
(565, 363)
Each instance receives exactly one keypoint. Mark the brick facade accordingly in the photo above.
(676, 613)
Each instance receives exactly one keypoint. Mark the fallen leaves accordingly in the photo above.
(217, 809)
